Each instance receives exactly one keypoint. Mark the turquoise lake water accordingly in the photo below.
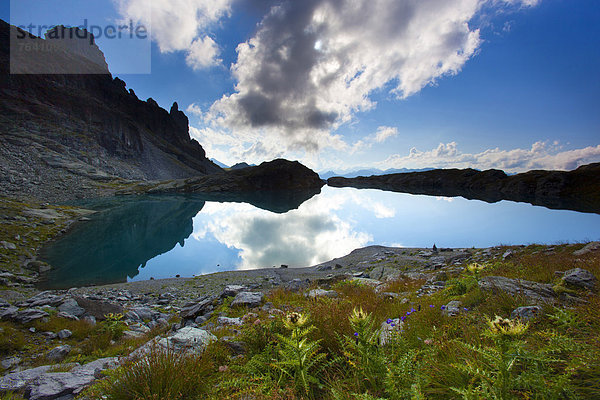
(161, 237)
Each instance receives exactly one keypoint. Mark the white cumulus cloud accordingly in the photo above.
(203, 53)
(180, 25)
(541, 155)
(312, 65)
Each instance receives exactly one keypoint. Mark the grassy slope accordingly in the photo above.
(436, 356)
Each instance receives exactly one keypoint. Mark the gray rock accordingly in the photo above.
(90, 319)
(98, 308)
(46, 298)
(248, 299)
(66, 315)
(160, 322)
(50, 335)
(588, 248)
(367, 282)
(8, 363)
(185, 340)
(9, 313)
(189, 340)
(17, 381)
(70, 306)
(232, 290)
(453, 308)
(580, 278)
(223, 321)
(64, 334)
(507, 254)
(296, 285)
(141, 314)
(64, 385)
(199, 307)
(538, 292)
(389, 329)
(321, 293)
(376, 273)
(238, 347)
(29, 315)
(526, 313)
(58, 353)
(4, 303)
(132, 335)
(8, 245)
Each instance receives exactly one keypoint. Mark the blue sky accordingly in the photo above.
(510, 84)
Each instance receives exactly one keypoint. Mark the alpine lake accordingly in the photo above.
(139, 238)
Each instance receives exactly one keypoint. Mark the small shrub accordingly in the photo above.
(10, 396)
(11, 339)
(362, 351)
(159, 375)
(113, 325)
(299, 357)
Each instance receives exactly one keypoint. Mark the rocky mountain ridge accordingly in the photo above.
(577, 190)
(63, 133)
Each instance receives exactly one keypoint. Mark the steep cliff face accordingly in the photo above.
(85, 125)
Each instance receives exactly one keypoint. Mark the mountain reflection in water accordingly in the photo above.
(127, 232)
(136, 238)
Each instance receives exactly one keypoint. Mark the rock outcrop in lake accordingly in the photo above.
(67, 132)
(277, 186)
(577, 190)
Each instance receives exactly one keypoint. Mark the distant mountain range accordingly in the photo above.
(369, 172)
(236, 166)
(219, 163)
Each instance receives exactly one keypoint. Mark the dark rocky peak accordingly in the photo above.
(79, 42)
(152, 102)
(179, 117)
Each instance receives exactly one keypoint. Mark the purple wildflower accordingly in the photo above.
(443, 307)
(356, 334)
(389, 321)
(431, 305)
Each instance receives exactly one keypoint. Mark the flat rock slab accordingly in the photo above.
(185, 340)
(197, 308)
(526, 313)
(51, 386)
(588, 248)
(30, 315)
(248, 299)
(321, 293)
(580, 278)
(98, 308)
(538, 292)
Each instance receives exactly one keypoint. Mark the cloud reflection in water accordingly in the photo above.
(311, 234)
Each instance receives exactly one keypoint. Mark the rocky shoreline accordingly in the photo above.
(185, 311)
